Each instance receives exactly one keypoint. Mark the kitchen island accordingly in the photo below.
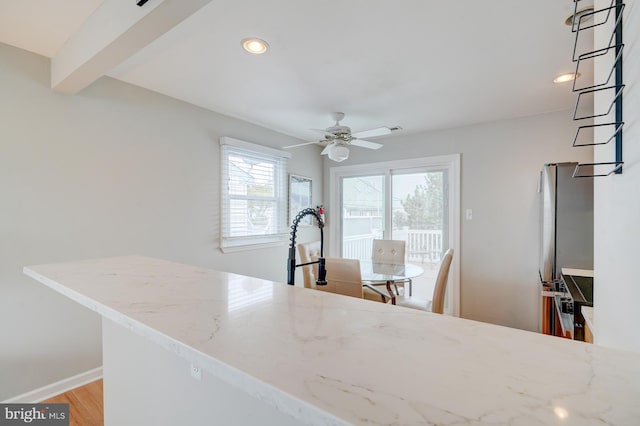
(189, 345)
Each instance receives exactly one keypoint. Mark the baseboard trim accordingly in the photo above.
(62, 386)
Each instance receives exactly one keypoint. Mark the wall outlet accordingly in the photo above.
(196, 372)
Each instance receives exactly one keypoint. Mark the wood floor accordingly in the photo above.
(85, 404)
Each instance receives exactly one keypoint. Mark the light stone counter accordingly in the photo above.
(578, 272)
(328, 359)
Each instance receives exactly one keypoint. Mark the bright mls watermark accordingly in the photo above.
(34, 414)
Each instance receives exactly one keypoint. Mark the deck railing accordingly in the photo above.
(422, 245)
(359, 246)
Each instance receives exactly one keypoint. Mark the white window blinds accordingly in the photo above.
(254, 194)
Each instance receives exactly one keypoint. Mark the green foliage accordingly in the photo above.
(424, 209)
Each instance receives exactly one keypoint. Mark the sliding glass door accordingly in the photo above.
(419, 201)
(403, 200)
(363, 205)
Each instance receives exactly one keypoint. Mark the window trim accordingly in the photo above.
(252, 242)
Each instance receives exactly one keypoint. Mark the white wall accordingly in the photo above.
(500, 165)
(114, 170)
(617, 212)
(151, 386)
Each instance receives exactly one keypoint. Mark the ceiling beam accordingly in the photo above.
(114, 32)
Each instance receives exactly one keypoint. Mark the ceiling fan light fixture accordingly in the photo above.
(338, 153)
(255, 45)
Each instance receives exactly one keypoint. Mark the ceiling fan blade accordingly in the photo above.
(366, 144)
(299, 144)
(324, 132)
(327, 148)
(372, 133)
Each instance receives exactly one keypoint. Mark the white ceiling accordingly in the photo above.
(418, 64)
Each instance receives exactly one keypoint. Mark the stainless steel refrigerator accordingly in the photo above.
(566, 230)
(566, 221)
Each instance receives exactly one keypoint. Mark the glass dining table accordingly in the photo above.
(375, 275)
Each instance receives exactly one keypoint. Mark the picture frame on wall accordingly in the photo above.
(300, 197)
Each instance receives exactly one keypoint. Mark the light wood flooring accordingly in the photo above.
(85, 404)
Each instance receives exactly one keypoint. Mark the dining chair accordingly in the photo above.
(343, 277)
(309, 252)
(392, 252)
(436, 305)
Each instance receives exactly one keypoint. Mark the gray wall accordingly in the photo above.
(114, 170)
(500, 163)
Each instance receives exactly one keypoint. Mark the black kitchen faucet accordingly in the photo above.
(318, 213)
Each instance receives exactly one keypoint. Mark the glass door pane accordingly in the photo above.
(363, 214)
(419, 216)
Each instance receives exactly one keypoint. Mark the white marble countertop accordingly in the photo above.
(578, 272)
(330, 359)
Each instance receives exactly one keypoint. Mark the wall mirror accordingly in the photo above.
(299, 197)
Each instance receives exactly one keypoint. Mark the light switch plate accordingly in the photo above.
(469, 214)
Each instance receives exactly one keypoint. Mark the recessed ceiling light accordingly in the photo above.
(255, 45)
(579, 13)
(563, 78)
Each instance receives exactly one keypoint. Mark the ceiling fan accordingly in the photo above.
(339, 137)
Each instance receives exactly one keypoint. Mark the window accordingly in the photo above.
(254, 194)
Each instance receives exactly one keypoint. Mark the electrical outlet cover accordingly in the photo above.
(196, 372)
